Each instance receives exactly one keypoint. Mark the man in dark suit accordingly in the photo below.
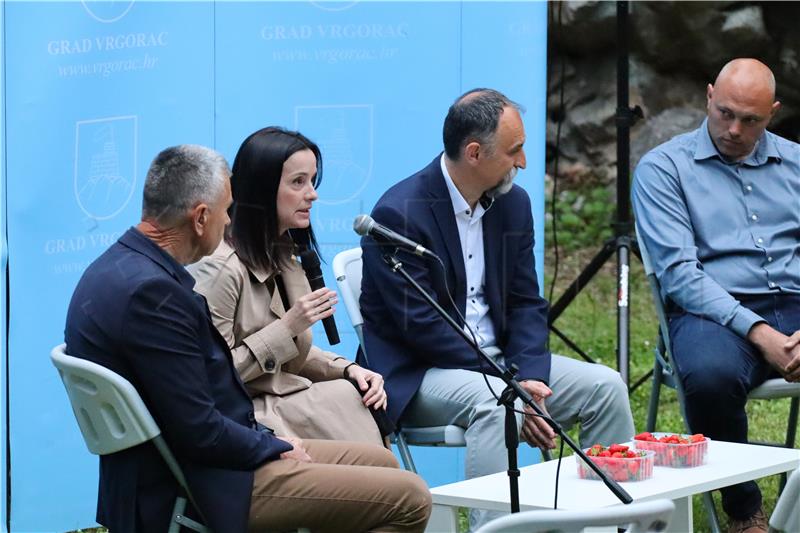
(464, 207)
(134, 311)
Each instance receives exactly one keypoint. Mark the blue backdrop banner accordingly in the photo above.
(3, 286)
(94, 89)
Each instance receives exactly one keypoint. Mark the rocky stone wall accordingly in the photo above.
(676, 49)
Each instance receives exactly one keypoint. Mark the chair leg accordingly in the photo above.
(713, 518)
(791, 428)
(405, 453)
(181, 520)
(178, 510)
(655, 395)
(791, 433)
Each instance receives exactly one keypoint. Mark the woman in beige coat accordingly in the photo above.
(262, 304)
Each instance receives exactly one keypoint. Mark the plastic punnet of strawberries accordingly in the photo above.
(619, 461)
(674, 450)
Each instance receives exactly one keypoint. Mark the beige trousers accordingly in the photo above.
(350, 487)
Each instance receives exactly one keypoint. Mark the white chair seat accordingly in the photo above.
(435, 436)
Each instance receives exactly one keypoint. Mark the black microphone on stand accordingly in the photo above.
(310, 262)
(366, 225)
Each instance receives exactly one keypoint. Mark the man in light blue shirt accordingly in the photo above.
(718, 209)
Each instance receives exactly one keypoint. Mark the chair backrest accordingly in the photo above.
(109, 411)
(636, 517)
(112, 416)
(786, 516)
(655, 289)
(347, 269)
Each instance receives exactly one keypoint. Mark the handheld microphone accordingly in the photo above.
(310, 263)
(366, 225)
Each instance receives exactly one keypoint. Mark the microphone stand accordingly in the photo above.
(512, 391)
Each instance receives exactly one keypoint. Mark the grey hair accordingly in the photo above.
(474, 117)
(179, 178)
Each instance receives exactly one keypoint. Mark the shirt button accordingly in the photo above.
(754, 216)
(467, 211)
(760, 240)
(749, 188)
(472, 288)
(769, 259)
(470, 256)
(772, 284)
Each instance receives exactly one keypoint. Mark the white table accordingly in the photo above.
(727, 464)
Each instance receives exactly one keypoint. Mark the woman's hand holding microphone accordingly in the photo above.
(309, 309)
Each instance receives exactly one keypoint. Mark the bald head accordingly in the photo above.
(740, 105)
(750, 76)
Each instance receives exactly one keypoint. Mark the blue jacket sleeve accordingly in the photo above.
(160, 329)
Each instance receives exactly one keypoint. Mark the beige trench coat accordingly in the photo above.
(297, 389)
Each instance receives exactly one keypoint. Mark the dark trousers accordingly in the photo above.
(718, 368)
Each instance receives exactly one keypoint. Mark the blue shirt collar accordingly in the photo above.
(766, 149)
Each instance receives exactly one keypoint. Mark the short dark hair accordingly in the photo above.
(474, 117)
(179, 178)
(253, 231)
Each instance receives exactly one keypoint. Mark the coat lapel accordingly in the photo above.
(442, 207)
(276, 304)
(493, 260)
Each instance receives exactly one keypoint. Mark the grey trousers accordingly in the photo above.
(591, 395)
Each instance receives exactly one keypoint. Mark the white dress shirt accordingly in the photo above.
(470, 233)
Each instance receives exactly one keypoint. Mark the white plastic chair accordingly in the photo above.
(635, 518)
(112, 417)
(347, 269)
(786, 516)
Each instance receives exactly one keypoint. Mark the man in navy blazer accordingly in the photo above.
(134, 311)
(464, 207)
